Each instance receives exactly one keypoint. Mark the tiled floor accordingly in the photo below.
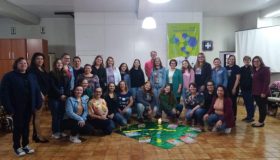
(244, 143)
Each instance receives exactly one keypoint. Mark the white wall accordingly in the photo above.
(58, 31)
(221, 30)
(120, 35)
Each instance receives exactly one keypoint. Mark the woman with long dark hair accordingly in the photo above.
(21, 96)
(125, 74)
(59, 91)
(99, 70)
(220, 115)
(188, 76)
(37, 67)
(137, 77)
(260, 88)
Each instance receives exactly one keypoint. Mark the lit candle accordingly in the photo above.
(159, 121)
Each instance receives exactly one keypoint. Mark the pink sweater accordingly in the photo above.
(188, 77)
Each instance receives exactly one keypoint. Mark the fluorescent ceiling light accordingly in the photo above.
(273, 14)
(149, 23)
(158, 1)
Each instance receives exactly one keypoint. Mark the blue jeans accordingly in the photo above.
(141, 109)
(127, 114)
(118, 118)
(134, 91)
(197, 115)
(249, 104)
(213, 119)
(156, 92)
(57, 108)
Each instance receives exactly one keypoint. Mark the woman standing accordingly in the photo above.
(113, 73)
(21, 96)
(246, 89)
(58, 93)
(158, 78)
(220, 115)
(188, 76)
(202, 71)
(98, 113)
(113, 105)
(125, 74)
(219, 73)
(174, 77)
(93, 80)
(233, 82)
(76, 114)
(37, 67)
(137, 77)
(260, 88)
(99, 70)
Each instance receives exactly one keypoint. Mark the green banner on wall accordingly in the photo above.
(183, 39)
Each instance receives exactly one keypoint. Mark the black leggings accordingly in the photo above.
(262, 105)
(75, 128)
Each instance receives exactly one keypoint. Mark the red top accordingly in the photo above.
(228, 112)
(149, 68)
(261, 80)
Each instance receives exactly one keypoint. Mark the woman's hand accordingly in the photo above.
(81, 123)
(111, 116)
(219, 123)
(205, 117)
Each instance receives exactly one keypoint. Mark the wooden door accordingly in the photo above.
(18, 48)
(5, 49)
(6, 66)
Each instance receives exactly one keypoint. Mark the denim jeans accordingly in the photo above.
(127, 113)
(57, 108)
(213, 119)
(171, 113)
(249, 104)
(156, 92)
(134, 91)
(197, 115)
(106, 126)
(141, 109)
(118, 118)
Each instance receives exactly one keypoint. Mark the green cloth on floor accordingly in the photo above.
(159, 133)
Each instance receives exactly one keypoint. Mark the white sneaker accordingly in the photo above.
(75, 139)
(56, 135)
(214, 129)
(63, 134)
(20, 152)
(28, 150)
(227, 130)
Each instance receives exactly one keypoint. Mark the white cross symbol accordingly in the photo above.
(207, 45)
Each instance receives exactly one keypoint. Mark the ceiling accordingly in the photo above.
(46, 8)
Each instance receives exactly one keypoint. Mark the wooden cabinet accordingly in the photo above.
(11, 49)
(37, 45)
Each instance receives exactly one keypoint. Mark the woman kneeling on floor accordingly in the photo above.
(98, 113)
(76, 115)
(220, 115)
(168, 104)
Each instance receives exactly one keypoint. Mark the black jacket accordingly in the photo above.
(13, 91)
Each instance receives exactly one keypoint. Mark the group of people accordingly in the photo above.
(101, 96)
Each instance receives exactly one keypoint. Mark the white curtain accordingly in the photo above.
(264, 42)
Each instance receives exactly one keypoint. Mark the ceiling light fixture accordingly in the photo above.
(273, 14)
(158, 1)
(149, 23)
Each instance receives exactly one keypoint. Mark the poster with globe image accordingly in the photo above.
(183, 41)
